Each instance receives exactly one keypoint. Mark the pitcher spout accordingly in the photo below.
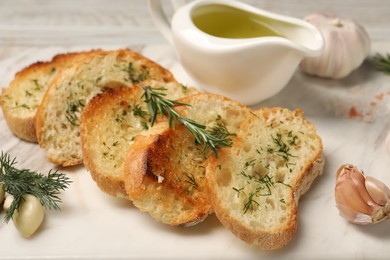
(240, 51)
(229, 23)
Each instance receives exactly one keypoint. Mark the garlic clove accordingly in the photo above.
(352, 198)
(379, 192)
(8, 201)
(354, 216)
(29, 216)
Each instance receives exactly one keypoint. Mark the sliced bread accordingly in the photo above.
(20, 100)
(58, 116)
(164, 169)
(108, 126)
(255, 185)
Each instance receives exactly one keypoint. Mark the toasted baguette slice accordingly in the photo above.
(108, 126)
(165, 169)
(58, 115)
(20, 100)
(254, 186)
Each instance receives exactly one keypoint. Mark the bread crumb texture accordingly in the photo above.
(169, 180)
(58, 117)
(253, 185)
(108, 126)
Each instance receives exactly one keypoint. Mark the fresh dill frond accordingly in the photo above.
(283, 150)
(220, 131)
(158, 104)
(134, 76)
(19, 182)
(137, 111)
(382, 62)
(251, 204)
(37, 85)
(73, 111)
(191, 180)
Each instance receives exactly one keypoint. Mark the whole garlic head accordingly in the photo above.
(347, 44)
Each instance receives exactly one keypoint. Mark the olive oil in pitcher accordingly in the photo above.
(228, 22)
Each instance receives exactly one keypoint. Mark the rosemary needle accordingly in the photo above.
(382, 62)
(19, 182)
(158, 104)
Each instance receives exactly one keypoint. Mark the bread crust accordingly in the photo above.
(108, 126)
(273, 236)
(93, 116)
(64, 146)
(164, 170)
(22, 127)
(150, 176)
(22, 123)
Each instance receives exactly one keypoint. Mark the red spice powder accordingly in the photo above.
(380, 96)
(353, 112)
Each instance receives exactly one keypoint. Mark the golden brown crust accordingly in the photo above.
(165, 170)
(265, 239)
(95, 114)
(219, 174)
(22, 127)
(108, 126)
(22, 124)
(151, 174)
(67, 137)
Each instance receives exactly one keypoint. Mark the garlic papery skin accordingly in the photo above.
(347, 44)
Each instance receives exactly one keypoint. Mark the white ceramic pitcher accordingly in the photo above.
(235, 49)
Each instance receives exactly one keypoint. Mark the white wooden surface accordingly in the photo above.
(95, 226)
(95, 22)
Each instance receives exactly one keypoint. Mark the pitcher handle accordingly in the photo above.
(160, 19)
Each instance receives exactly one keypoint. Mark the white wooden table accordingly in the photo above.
(95, 226)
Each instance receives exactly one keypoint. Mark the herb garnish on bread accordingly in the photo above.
(58, 116)
(164, 169)
(108, 126)
(20, 100)
(255, 185)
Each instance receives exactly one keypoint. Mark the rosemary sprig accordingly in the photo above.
(382, 62)
(158, 104)
(19, 182)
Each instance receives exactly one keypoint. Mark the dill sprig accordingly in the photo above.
(19, 182)
(73, 111)
(382, 62)
(220, 131)
(158, 104)
(137, 111)
(250, 204)
(191, 180)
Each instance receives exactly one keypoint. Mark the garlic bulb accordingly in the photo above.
(361, 199)
(346, 46)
